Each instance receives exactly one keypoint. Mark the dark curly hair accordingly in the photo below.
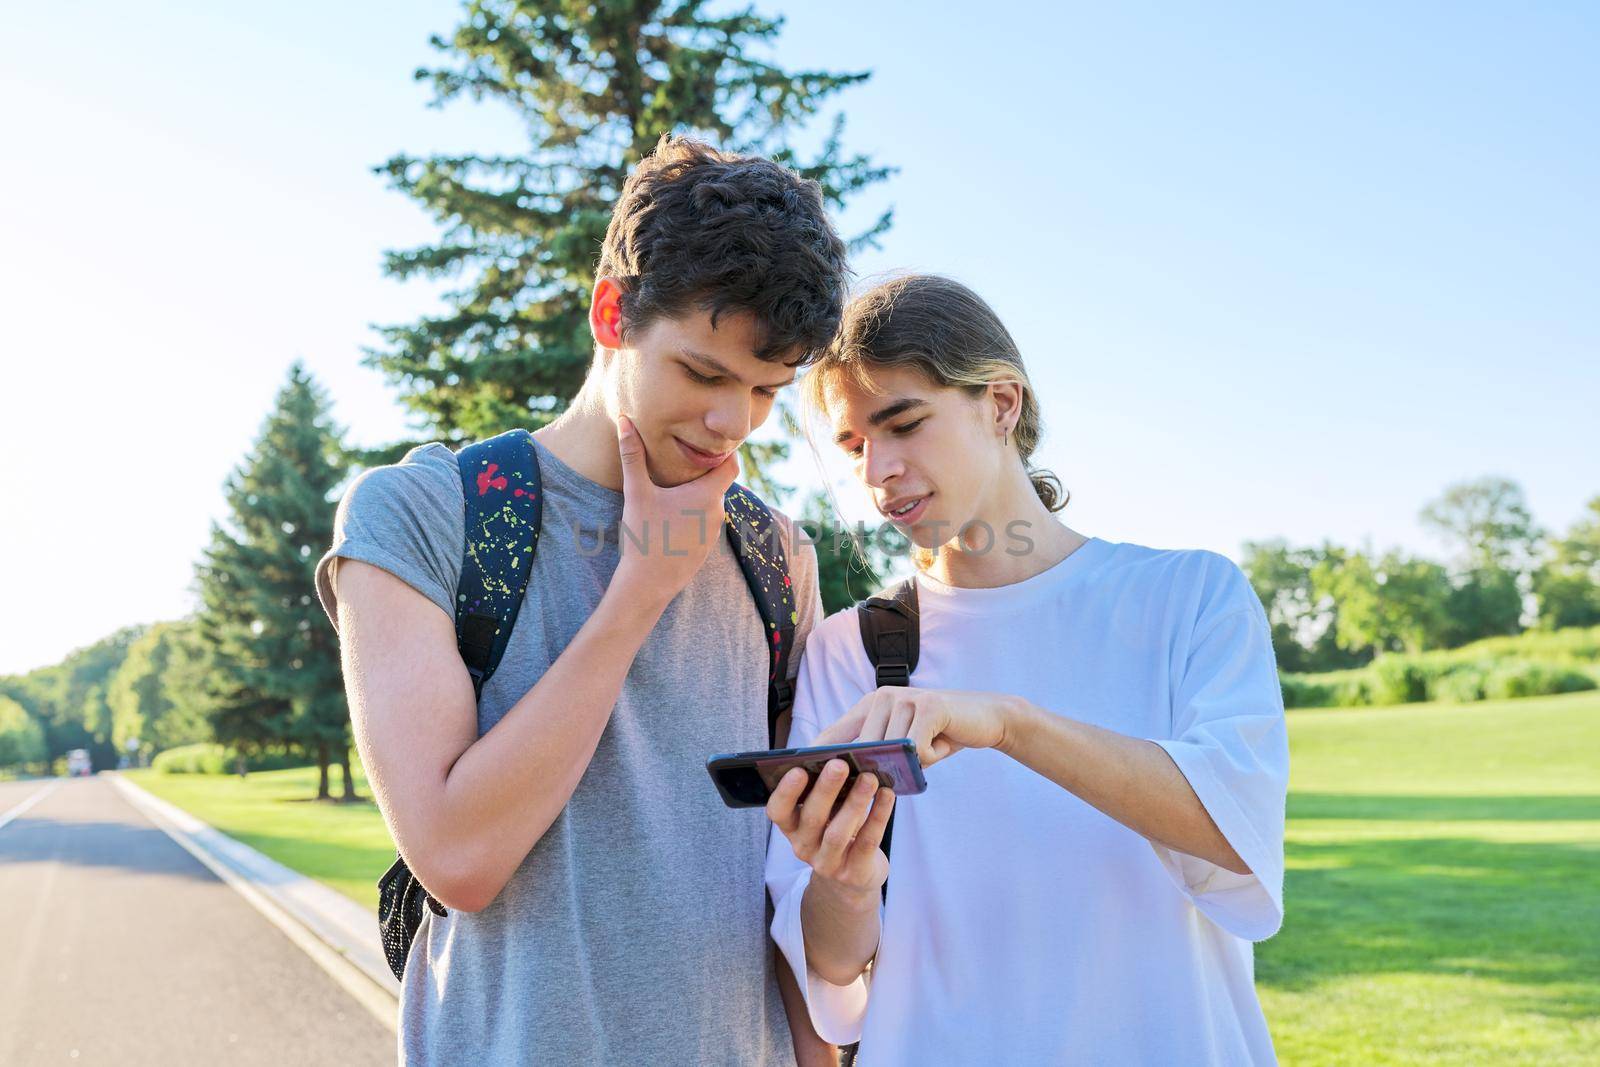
(699, 228)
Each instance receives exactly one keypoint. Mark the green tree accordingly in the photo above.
(25, 692)
(1395, 603)
(275, 660)
(68, 699)
(1482, 603)
(1487, 522)
(1304, 621)
(1488, 525)
(21, 736)
(595, 85)
(1567, 584)
(97, 721)
(849, 568)
(184, 687)
(242, 708)
(144, 704)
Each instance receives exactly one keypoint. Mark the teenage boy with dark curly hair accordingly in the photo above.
(603, 907)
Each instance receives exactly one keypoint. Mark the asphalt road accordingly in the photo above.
(118, 947)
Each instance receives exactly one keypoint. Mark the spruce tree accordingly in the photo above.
(275, 662)
(595, 85)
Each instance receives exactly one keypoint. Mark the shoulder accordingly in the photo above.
(1208, 584)
(427, 472)
(405, 518)
(412, 507)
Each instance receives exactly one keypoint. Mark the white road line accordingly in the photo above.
(22, 808)
(380, 1002)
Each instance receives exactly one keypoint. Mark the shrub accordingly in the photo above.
(1463, 684)
(1512, 680)
(216, 759)
(1575, 645)
(1301, 691)
(1354, 690)
(1398, 680)
(1333, 689)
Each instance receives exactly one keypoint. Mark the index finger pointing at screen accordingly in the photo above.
(842, 732)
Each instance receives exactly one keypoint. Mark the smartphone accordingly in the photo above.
(747, 779)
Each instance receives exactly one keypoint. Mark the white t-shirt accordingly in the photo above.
(1023, 926)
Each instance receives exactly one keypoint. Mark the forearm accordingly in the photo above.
(1133, 781)
(506, 789)
(809, 1049)
(841, 927)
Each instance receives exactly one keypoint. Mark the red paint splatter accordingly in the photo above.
(487, 480)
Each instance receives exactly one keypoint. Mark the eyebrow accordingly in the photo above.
(711, 364)
(883, 415)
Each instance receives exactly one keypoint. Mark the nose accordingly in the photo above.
(880, 464)
(729, 420)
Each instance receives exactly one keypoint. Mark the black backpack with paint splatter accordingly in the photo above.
(504, 508)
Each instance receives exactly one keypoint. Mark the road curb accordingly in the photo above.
(339, 934)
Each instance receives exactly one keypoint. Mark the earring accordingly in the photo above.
(1005, 438)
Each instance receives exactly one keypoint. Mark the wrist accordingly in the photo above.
(638, 593)
(1017, 716)
(630, 611)
(842, 899)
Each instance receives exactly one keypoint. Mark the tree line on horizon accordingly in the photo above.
(1332, 607)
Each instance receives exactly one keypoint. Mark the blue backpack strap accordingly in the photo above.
(504, 510)
(754, 537)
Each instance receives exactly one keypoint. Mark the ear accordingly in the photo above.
(1007, 400)
(605, 313)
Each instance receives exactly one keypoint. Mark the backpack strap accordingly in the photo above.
(754, 537)
(504, 510)
(891, 632)
(504, 506)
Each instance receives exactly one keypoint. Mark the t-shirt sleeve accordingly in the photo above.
(1231, 742)
(829, 685)
(407, 518)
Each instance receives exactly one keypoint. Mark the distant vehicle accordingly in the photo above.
(79, 765)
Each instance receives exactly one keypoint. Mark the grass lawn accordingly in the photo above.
(1443, 892)
(1443, 887)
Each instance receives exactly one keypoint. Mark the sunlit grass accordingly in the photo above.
(1443, 896)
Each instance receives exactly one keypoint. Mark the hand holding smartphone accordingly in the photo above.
(747, 779)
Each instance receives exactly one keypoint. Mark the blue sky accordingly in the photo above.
(1277, 271)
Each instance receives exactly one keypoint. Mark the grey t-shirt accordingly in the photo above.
(635, 931)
